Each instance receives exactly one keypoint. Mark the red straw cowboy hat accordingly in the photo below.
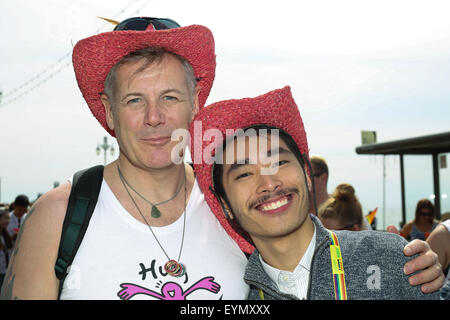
(276, 109)
(94, 57)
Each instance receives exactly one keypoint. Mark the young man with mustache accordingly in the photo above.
(295, 256)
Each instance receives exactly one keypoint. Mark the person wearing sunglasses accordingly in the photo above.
(151, 234)
(423, 223)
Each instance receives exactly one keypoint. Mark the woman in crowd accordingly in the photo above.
(423, 223)
(342, 211)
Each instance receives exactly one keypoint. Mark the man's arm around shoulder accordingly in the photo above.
(391, 249)
(31, 271)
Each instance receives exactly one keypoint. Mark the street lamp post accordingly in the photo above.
(105, 146)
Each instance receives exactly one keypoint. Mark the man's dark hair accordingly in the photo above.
(22, 200)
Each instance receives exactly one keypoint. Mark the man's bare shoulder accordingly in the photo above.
(54, 202)
(45, 219)
(31, 272)
(50, 208)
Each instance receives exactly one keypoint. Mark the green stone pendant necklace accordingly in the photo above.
(155, 213)
(173, 267)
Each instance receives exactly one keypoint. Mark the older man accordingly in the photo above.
(151, 234)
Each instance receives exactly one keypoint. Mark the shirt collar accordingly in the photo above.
(305, 261)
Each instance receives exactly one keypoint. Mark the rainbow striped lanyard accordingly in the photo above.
(340, 290)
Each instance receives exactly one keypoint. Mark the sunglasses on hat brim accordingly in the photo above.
(142, 23)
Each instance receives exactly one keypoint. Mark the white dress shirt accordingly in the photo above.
(296, 282)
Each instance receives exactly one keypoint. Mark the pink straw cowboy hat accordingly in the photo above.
(94, 57)
(276, 109)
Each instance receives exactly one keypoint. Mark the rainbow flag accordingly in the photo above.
(371, 215)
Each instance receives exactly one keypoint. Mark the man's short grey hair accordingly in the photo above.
(151, 55)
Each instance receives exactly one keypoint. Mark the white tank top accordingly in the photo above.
(119, 256)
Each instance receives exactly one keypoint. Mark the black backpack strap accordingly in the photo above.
(82, 200)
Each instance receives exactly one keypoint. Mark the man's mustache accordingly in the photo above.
(278, 193)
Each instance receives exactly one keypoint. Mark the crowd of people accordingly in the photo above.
(218, 228)
(342, 210)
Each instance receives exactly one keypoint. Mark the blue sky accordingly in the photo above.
(352, 66)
